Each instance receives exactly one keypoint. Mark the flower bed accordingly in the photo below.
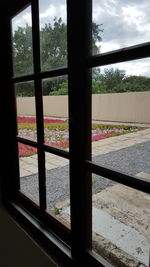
(57, 135)
(33, 120)
(25, 151)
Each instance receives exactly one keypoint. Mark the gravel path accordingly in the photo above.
(130, 160)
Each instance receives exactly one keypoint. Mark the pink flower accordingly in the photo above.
(33, 120)
(25, 150)
(100, 136)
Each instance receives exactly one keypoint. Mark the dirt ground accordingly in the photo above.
(126, 205)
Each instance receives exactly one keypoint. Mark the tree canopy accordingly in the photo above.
(53, 46)
(116, 81)
(53, 51)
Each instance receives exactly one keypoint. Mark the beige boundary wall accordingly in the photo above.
(120, 107)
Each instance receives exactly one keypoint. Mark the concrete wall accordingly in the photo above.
(17, 249)
(121, 107)
(26, 105)
(55, 106)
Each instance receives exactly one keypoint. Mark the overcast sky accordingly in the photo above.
(124, 23)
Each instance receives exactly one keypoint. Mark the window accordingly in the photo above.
(73, 241)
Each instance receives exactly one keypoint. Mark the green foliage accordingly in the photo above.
(110, 126)
(53, 40)
(96, 30)
(62, 91)
(54, 45)
(51, 126)
(22, 51)
(53, 85)
(112, 77)
(25, 89)
(28, 126)
(94, 181)
(116, 81)
(64, 126)
(56, 211)
(53, 48)
(137, 83)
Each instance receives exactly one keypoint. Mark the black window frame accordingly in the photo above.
(74, 246)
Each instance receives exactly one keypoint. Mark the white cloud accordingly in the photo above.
(22, 19)
(125, 23)
(108, 46)
(52, 10)
(139, 67)
(132, 15)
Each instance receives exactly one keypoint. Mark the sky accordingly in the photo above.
(124, 23)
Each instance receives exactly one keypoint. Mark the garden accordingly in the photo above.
(56, 133)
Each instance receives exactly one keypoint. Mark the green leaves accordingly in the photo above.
(22, 51)
(115, 81)
(53, 39)
(53, 46)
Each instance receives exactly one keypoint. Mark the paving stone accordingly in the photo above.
(34, 156)
(28, 160)
(49, 166)
(22, 164)
(98, 148)
(32, 168)
(144, 175)
(24, 173)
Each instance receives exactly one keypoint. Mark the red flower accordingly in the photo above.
(33, 120)
(25, 150)
(100, 136)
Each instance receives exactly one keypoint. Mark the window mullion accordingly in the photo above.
(39, 104)
(121, 55)
(10, 183)
(79, 49)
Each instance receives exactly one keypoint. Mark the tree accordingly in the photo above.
(63, 89)
(112, 77)
(96, 30)
(53, 40)
(137, 83)
(106, 82)
(116, 81)
(22, 51)
(53, 50)
(24, 89)
(53, 85)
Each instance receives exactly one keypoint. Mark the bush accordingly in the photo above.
(62, 91)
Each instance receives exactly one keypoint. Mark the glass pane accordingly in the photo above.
(22, 43)
(53, 34)
(120, 117)
(118, 24)
(121, 219)
(55, 105)
(26, 113)
(57, 187)
(28, 165)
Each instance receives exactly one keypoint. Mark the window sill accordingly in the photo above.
(48, 241)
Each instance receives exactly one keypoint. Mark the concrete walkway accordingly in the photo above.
(121, 215)
(125, 237)
(29, 165)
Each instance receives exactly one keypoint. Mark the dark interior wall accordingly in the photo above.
(17, 249)
(13, 6)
